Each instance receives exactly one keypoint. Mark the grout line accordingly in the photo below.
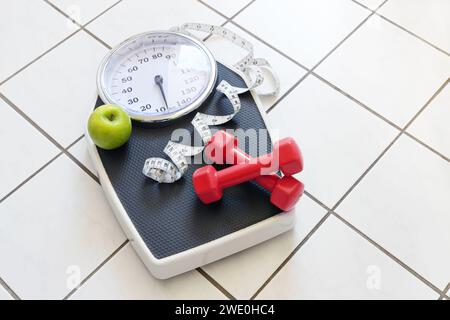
(353, 186)
(270, 46)
(376, 9)
(227, 20)
(401, 27)
(242, 9)
(9, 290)
(356, 101)
(362, 5)
(427, 104)
(78, 162)
(76, 140)
(51, 139)
(445, 292)
(342, 41)
(81, 26)
(313, 198)
(390, 255)
(381, 4)
(96, 269)
(20, 185)
(39, 57)
(413, 34)
(427, 146)
(215, 284)
(63, 13)
(214, 9)
(102, 13)
(97, 38)
(34, 124)
(82, 166)
(287, 92)
(285, 261)
(223, 15)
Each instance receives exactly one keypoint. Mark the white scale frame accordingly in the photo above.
(203, 254)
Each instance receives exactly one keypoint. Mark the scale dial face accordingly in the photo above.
(157, 76)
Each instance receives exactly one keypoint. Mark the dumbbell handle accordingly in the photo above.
(239, 173)
(268, 182)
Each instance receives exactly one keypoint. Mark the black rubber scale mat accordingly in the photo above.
(169, 217)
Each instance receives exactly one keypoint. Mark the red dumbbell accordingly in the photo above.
(209, 183)
(285, 191)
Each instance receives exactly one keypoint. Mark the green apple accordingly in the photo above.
(109, 126)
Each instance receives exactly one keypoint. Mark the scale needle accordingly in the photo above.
(159, 82)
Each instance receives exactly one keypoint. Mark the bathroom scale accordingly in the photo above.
(171, 230)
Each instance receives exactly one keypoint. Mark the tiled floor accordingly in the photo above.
(364, 88)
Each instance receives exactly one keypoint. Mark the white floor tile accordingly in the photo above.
(228, 8)
(305, 30)
(80, 151)
(432, 125)
(336, 263)
(60, 218)
(57, 220)
(125, 277)
(4, 295)
(428, 19)
(387, 69)
(403, 204)
(44, 27)
(338, 138)
(288, 72)
(24, 149)
(82, 11)
(243, 273)
(371, 4)
(131, 17)
(60, 88)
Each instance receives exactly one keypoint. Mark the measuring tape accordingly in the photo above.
(165, 171)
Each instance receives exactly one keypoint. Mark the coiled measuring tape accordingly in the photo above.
(169, 171)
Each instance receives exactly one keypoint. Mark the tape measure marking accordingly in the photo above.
(165, 171)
